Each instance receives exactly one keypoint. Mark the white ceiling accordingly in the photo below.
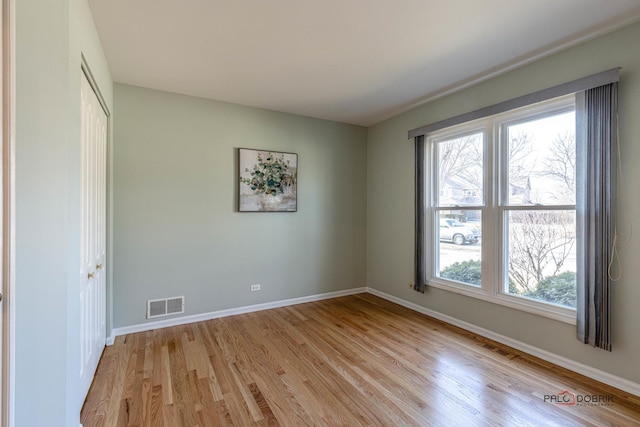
(353, 61)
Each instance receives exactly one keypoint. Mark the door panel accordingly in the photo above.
(93, 233)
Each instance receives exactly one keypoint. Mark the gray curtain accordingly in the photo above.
(596, 137)
(419, 279)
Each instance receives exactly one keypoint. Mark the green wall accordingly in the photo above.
(390, 230)
(176, 228)
(51, 36)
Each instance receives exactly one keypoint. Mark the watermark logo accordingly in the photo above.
(564, 398)
(567, 398)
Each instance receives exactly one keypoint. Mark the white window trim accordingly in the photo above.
(491, 289)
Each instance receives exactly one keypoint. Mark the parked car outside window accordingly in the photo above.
(452, 230)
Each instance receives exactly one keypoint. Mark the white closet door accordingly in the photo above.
(93, 230)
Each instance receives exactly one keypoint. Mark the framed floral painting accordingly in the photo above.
(268, 181)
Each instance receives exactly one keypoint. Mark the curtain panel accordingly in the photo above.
(420, 281)
(596, 150)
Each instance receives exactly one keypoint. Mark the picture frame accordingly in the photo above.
(267, 181)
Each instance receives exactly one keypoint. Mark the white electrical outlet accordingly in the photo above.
(255, 287)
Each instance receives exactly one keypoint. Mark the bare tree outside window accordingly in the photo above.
(460, 159)
(560, 165)
(540, 243)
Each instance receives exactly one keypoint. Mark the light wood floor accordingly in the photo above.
(352, 361)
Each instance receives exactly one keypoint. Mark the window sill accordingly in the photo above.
(565, 315)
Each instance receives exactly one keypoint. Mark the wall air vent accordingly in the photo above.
(165, 307)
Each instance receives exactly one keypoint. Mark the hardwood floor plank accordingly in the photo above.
(222, 377)
(113, 415)
(352, 361)
(145, 402)
(157, 418)
(209, 414)
(97, 401)
(245, 392)
(183, 400)
(165, 371)
(265, 409)
(237, 411)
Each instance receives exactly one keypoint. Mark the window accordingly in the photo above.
(501, 208)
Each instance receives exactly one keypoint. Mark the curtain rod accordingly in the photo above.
(585, 83)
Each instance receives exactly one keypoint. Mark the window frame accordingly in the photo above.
(494, 207)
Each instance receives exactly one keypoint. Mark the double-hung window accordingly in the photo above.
(500, 199)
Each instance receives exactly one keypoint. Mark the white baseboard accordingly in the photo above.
(143, 327)
(588, 371)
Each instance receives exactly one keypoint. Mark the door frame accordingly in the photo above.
(85, 70)
(7, 213)
(84, 66)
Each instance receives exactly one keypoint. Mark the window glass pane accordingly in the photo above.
(542, 161)
(459, 249)
(460, 171)
(542, 255)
